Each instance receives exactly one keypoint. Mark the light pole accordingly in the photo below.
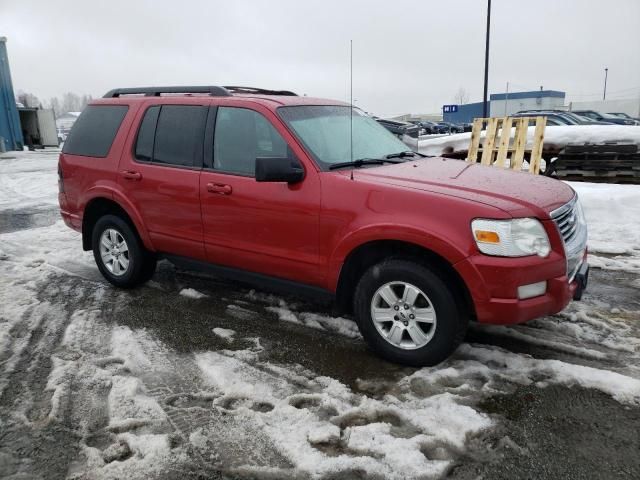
(486, 64)
(606, 73)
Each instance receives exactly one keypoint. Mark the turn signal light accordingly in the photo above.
(487, 237)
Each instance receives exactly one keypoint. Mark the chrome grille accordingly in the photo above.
(567, 224)
(573, 229)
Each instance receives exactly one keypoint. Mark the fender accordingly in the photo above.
(395, 232)
(111, 192)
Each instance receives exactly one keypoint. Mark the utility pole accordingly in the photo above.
(506, 100)
(606, 73)
(485, 106)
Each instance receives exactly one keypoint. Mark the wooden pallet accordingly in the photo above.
(499, 145)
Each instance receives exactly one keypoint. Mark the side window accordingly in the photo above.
(241, 136)
(94, 131)
(179, 135)
(146, 134)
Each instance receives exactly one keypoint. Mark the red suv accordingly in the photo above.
(313, 196)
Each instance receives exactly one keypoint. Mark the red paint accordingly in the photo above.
(304, 231)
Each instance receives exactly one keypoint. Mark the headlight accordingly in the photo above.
(511, 238)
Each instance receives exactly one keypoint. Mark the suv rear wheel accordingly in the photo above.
(119, 253)
(408, 314)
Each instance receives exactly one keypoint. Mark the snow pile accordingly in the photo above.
(589, 327)
(613, 219)
(29, 179)
(501, 364)
(556, 136)
(225, 333)
(342, 326)
(192, 293)
(322, 427)
(288, 312)
(56, 248)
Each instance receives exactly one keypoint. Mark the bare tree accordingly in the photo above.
(461, 97)
(71, 102)
(27, 99)
(54, 104)
(84, 101)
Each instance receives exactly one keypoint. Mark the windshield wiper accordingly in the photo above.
(407, 153)
(363, 161)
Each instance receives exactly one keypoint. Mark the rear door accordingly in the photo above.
(160, 175)
(269, 228)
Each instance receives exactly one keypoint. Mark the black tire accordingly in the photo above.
(141, 263)
(451, 320)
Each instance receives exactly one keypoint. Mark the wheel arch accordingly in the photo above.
(100, 206)
(365, 255)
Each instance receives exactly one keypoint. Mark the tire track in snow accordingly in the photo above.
(192, 407)
(36, 439)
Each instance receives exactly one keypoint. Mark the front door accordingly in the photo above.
(268, 228)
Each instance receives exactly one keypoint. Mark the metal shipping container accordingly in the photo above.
(10, 130)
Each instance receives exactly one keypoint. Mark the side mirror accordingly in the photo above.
(278, 169)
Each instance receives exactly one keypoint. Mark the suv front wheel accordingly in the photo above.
(119, 253)
(408, 314)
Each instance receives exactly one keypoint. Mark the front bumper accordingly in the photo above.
(493, 284)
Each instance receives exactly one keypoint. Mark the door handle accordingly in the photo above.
(131, 175)
(219, 188)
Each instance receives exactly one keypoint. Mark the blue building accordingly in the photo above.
(503, 104)
(465, 114)
(10, 130)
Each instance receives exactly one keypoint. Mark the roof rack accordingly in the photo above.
(259, 91)
(213, 90)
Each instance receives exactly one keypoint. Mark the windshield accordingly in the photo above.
(325, 132)
(565, 119)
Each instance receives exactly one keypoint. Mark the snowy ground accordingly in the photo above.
(193, 376)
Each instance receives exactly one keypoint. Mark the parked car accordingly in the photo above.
(571, 117)
(429, 127)
(553, 119)
(448, 127)
(400, 129)
(605, 117)
(624, 115)
(279, 191)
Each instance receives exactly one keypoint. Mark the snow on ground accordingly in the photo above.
(192, 293)
(138, 407)
(613, 219)
(28, 179)
(225, 333)
(556, 136)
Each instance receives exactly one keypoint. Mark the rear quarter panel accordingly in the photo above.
(86, 178)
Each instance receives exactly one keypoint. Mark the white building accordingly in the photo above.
(630, 106)
(503, 104)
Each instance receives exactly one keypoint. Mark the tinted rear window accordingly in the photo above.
(94, 131)
(179, 135)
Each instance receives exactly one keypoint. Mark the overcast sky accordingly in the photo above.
(408, 56)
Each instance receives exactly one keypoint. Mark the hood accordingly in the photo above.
(517, 193)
